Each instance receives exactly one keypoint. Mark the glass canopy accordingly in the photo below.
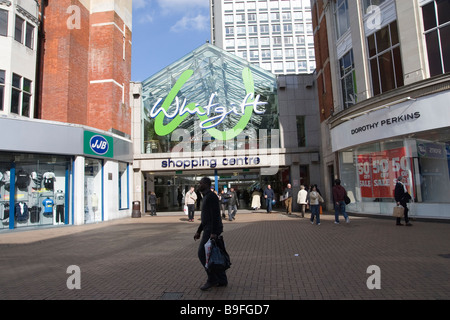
(210, 94)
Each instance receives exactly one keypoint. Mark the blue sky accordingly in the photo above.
(165, 31)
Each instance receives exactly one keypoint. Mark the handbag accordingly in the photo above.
(398, 212)
(219, 259)
(347, 199)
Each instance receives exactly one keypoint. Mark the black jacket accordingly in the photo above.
(399, 193)
(211, 219)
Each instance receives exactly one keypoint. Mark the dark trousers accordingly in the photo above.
(60, 213)
(191, 209)
(213, 277)
(404, 205)
(152, 209)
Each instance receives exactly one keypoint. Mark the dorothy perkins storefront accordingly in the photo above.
(408, 138)
(55, 173)
(210, 114)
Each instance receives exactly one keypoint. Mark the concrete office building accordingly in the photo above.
(65, 155)
(259, 129)
(383, 88)
(276, 35)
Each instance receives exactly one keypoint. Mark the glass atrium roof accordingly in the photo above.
(218, 78)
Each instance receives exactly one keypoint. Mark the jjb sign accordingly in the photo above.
(98, 145)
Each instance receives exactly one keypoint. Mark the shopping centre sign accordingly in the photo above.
(210, 115)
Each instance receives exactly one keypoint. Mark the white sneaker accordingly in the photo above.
(336, 222)
(347, 220)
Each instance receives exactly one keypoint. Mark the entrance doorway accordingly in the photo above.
(170, 187)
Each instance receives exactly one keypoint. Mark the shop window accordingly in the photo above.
(348, 80)
(2, 89)
(3, 23)
(301, 131)
(93, 182)
(385, 59)
(124, 186)
(436, 19)
(40, 190)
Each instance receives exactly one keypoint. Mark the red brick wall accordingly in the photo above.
(74, 58)
(325, 89)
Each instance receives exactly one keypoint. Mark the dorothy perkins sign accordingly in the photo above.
(210, 115)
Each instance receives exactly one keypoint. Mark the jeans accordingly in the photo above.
(232, 209)
(315, 212)
(269, 204)
(339, 208)
(213, 277)
(191, 209)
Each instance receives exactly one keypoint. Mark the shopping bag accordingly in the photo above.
(219, 259)
(208, 246)
(398, 212)
(186, 211)
(320, 209)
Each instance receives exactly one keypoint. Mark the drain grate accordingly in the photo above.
(172, 296)
(447, 255)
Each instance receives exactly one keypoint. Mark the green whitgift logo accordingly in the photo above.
(98, 145)
(211, 115)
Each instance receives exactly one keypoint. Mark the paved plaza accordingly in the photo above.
(274, 257)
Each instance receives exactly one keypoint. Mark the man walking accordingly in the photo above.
(339, 194)
(233, 204)
(212, 227)
(402, 197)
(269, 196)
(288, 198)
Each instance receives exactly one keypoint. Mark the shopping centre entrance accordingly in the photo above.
(170, 187)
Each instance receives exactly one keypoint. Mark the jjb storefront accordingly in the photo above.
(409, 137)
(55, 173)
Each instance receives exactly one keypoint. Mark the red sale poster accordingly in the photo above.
(378, 172)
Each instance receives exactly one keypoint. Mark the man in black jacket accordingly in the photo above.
(212, 227)
(402, 197)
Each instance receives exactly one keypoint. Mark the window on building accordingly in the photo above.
(385, 59)
(265, 42)
(264, 28)
(436, 20)
(289, 53)
(3, 23)
(251, 17)
(21, 95)
(277, 41)
(276, 28)
(265, 54)
(342, 18)
(263, 17)
(301, 131)
(18, 34)
(368, 3)
(229, 31)
(348, 80)
(253, 42)
(275, 16)
(29, 36)
(2, 89)
(254, 55)
(286, 16)
(287, 28)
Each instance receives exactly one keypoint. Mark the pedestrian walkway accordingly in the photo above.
(274, 257)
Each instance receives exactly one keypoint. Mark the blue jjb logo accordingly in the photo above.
(99, 145)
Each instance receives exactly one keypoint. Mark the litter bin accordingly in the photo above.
(136, 213)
